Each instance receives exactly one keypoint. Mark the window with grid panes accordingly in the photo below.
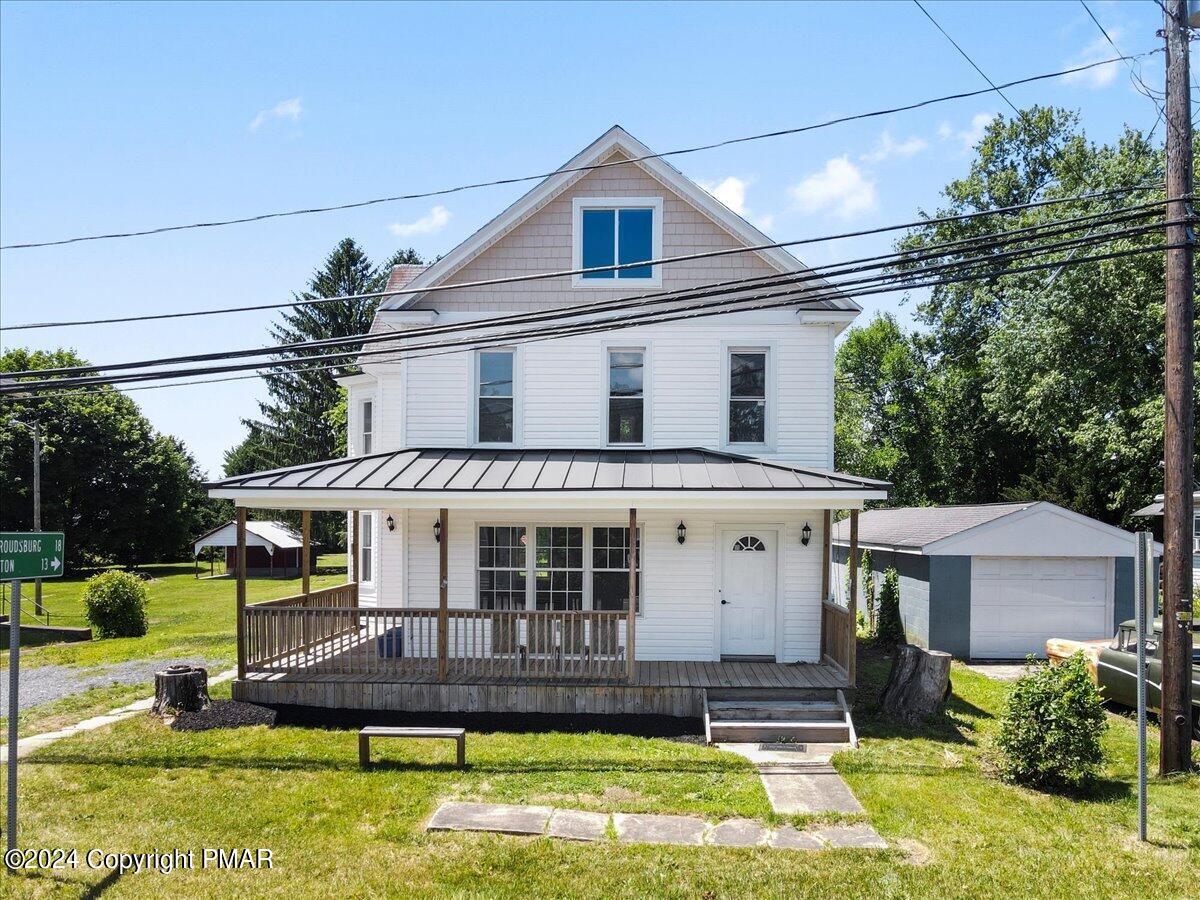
(558, 567)
(502, 566)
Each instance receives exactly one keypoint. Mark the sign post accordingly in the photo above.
(22, 555)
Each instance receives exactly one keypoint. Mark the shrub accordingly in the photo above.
(1051, 728)
(115, 603)
(889, 627)
(867, 576)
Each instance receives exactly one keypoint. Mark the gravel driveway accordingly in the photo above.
(46, 683)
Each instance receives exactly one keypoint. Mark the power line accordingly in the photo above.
(894, 281)
(592, 167)
(540, 276)
(501, 340)
(1139, 85)
(967, 57)
(908, 257)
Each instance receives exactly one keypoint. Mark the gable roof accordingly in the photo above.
(277, 535)
(615, 141)
(915, 526)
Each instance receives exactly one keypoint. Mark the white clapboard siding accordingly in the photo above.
(680, 612)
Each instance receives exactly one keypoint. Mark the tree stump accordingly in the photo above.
(180, 688)
(917, 685)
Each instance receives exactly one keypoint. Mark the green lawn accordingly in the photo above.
(336, 830)
(189, 616)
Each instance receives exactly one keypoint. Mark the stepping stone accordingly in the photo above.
(791, 793)
(577, 825)
(738, 833)
(647, 829)
(497, 817)
(788, 838)
(857, 837)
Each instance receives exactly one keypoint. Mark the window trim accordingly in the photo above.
(366, 435)
(531, 526)
(770, 395)
(518, 388)
(366, 547)
(579, 204)
(608, 347)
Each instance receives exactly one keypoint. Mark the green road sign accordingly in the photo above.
(28, 554)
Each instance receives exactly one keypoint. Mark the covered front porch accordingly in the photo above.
(643, 625)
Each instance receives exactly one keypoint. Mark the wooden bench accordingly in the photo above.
(381, 731)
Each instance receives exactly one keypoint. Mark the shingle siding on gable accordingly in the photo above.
(543, 243)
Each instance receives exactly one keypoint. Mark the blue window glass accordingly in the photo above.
(636, 242)
(599, 241)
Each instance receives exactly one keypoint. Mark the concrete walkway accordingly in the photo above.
(636, 828)
(800, 780)
(27, 745)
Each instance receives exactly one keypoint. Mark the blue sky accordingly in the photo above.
(116, 116)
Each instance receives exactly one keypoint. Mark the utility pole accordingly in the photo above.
(1179, 427)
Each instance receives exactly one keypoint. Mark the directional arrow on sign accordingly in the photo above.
(55, 563)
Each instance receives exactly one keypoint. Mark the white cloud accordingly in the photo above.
(969, 136)
(839, 187)
(284, 109)
(763, 223)
(888, 147)
(1100, 76)
(731, 192)
(435, 221)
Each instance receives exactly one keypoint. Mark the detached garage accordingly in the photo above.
(994, 581)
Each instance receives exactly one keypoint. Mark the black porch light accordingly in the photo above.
(681, 532)
(437, 531)
(391, 523)
(805, 534)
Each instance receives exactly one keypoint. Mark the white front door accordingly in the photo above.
(747, 592)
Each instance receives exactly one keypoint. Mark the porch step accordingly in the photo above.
(736, 717)
(751, 710)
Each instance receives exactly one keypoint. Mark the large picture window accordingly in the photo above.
(748, 397)
(495, 397)
(502, 567)
(626, 396)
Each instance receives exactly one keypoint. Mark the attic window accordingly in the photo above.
(616, 231)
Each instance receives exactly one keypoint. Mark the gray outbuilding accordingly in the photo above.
(994, 581)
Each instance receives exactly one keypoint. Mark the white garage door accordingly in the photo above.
(1017, 602)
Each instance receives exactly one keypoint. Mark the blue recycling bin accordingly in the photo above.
(390, 644)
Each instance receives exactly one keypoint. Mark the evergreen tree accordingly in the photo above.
(298, 422)
(891, 626)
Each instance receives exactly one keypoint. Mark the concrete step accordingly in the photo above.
(815, 732)
(756, 710)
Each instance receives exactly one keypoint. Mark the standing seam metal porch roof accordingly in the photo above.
(466, 470)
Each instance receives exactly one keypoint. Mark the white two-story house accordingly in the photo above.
(517, 433)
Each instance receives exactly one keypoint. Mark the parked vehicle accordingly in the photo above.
(1116, 669)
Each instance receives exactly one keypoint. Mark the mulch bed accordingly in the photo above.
(224, 714)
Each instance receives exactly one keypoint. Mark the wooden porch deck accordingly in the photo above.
(670, 688)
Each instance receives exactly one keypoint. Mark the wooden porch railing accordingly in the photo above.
(838, 639)
(292, 637)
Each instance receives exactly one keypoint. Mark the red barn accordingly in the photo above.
(272, 548)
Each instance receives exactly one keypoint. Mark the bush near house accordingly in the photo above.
(889, 628)
(1051, 728)
(115, 604)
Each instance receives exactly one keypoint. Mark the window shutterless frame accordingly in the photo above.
(749, 396)
(580, 205)
(488, 533)
(367, 426)
(366, 547)
(625, 406)
(497, 386)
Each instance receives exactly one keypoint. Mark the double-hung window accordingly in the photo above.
(747, 403)
(366, 545)
(502, 567)
(559, 567)
(617, 231)
(610, 567)
(626, 396)
(495, 398)
(367, 411)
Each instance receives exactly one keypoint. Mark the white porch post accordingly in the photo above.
(631, 621)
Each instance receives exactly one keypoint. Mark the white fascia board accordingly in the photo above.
(349, 381)
(406, 317)
(1114, 537)
(886, 548)
(322, 498)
